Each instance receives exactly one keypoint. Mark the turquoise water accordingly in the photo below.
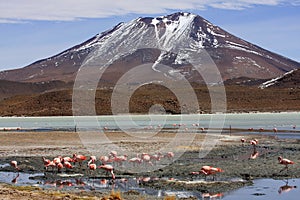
(289, 123)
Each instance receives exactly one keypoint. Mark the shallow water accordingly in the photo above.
(268, 189)
(262, 188)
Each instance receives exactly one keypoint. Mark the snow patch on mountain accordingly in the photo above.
(173, 29)
(275, 80)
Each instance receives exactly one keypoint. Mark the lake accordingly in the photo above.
(287, 123)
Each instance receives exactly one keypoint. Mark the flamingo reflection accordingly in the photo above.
(15, 180)
(212, 196)
(254, 155)
(286, 187)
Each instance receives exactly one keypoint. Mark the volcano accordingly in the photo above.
(234, 57)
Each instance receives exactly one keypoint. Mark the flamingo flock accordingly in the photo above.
(107, 163)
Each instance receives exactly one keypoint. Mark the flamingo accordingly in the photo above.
(208, 170)
(67, 159)
(113, 154)
(286, 162)
(14, 164)
(170, 155)
(120, 159)
(92, 160)
(156, 157)
(135, 160)
(50, 164)
(108, 168)
(59, 167)
(68, 165)
(105, 159)
(243, 140)
(275, 131)
(202, 129)
(78, 158)
(57, 160)
(146, 158)
(254, 142)
(92, 167)
(46, 161)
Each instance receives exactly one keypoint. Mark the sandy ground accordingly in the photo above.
(228, 153)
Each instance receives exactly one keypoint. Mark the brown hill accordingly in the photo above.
(12, 88)
(239, 99)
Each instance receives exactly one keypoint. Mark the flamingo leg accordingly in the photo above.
(285, 168)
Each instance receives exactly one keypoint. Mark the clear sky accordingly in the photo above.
(34, 29)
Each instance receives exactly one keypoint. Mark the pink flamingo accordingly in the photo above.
(92, 160)
(50, 164)
(243, 140)
(14, 164)
(68, 165)
(156, 157)
(59, 167)
(46, 161)
(146, 158)
(254, 142)
(202, 129)
(286, 162)
(136, 160)
(105, 159)
(92, 167)
(57, 160)
(113, 154)
(275, 131)
(120, 159)
(208, 170)
(170, 155)
(67, 159)
(79, 159)
(108, 168)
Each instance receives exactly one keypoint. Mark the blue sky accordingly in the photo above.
(38, 29)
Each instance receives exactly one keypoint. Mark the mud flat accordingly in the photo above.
(240, 169)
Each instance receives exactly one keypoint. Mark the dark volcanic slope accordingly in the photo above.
(289, 80)
(239, 99)
(11, 88)
(234, 57)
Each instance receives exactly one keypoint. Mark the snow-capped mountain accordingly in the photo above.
(233, 56)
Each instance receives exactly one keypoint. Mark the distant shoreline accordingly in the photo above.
(138, 114)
